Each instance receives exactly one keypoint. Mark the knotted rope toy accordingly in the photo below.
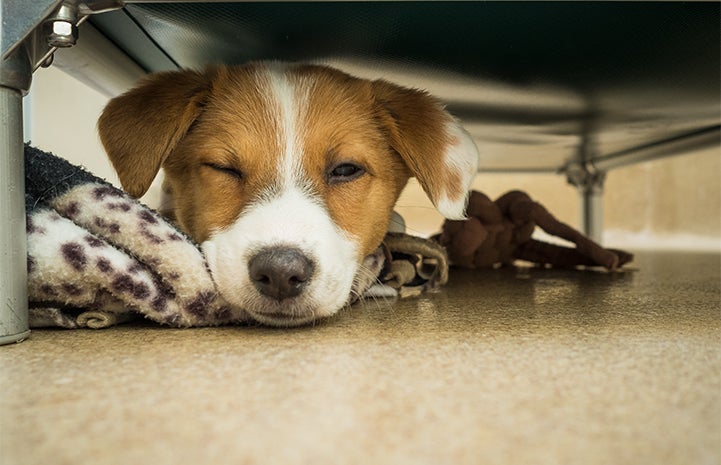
(499, 232)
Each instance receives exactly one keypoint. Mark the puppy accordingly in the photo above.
(286, 174)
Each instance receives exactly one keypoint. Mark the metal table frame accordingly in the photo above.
(33, 30)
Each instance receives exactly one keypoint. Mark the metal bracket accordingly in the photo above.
(585, 177)
(49, 25)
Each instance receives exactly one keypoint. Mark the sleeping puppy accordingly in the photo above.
(286, 174)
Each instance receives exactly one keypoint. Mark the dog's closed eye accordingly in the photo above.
(228, 170)
(344, 172)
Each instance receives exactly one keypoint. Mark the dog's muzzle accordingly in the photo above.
(283, 278)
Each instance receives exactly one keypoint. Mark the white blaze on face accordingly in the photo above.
(285, 215)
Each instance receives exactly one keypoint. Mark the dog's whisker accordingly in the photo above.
(419, 207)
(409, 229)
(378, 301)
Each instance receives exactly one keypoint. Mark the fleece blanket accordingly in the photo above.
(97, 258)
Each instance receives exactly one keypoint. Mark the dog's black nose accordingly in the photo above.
(280, 273)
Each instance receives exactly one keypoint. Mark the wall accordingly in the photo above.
(62, 117)
(668, 203)
(675, 202)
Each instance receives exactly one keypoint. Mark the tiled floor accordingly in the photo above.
(501, 367)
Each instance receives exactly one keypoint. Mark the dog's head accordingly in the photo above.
(286, 174)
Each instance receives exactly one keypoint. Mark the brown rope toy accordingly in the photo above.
(498, 233)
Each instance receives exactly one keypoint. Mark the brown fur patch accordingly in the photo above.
(416, 124)
(238, 130)
(140, 128)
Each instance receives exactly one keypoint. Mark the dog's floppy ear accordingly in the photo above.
(434, 146)
(140, 128)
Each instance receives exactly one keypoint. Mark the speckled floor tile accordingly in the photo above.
(500, 367)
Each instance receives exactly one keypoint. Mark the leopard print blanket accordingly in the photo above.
(97, 258)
